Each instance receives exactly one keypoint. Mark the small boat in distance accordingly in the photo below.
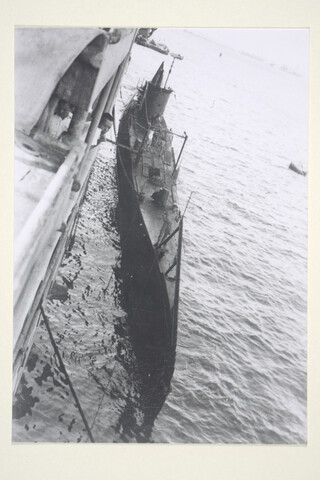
(177, 56)
(159, 47)
(294, 168)
(150, 224)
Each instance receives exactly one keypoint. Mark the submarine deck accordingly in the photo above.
(154, 180)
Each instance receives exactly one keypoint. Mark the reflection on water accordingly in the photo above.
(120, 385)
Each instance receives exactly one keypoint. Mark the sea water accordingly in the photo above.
(240, 373)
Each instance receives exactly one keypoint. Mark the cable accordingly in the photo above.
(63, 368)
(104, 391)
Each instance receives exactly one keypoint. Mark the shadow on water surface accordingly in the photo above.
(134, 385)
(121, 384)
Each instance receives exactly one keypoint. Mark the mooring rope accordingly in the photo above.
(63, 368)
(104, 392)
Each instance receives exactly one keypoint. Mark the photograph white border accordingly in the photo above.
(153, 462)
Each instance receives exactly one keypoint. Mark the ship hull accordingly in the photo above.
(145, 285)
(152, 319)
(81, 69)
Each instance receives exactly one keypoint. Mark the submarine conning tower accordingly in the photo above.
(154, 99)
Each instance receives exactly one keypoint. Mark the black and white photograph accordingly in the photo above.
(160, 235)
